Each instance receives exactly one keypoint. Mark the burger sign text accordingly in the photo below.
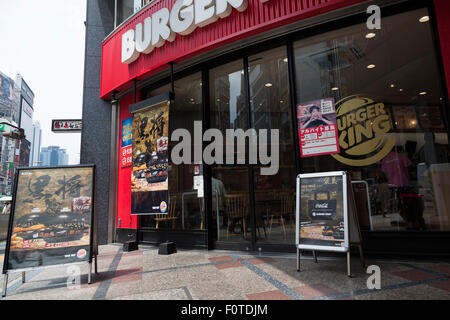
(364, 128)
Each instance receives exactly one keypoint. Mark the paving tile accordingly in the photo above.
(221, 258)
(443, 268)
(169, 294)
(124, 289)
(257, 261)
(233, 264)
(268, 295)
(314, 291)
(415, 275)
(245, 280)
(127, 275)
(137, 296)
(419, 292)
(132, 253)
(444, 285)
(215, 290)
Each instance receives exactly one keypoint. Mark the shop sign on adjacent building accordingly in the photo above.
(67, 125)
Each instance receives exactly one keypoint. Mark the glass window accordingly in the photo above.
(186, 109)
(271, 110)
(126, 8)
(229, 182)
(390, 117)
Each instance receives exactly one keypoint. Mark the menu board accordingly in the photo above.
(322, 211)
(51, 218)
(150, 160)
(317, 129)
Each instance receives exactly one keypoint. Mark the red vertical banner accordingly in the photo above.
(317, 129)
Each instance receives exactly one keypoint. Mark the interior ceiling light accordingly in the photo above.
(401, 90)
(335, 88)
(371, 66)
(268, 84)
(424, 19)
(392, 85)
(370, 35)
(285, 59)
(423, 93)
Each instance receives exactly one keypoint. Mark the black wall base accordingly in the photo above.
(123, 235)
(130, 246)
(167, 248)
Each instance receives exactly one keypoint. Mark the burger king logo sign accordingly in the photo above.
(365, 131)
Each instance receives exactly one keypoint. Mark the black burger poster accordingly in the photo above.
(51, 220)
(150, 160)
(321, 212)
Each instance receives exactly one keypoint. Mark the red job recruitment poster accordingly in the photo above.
(317, 132)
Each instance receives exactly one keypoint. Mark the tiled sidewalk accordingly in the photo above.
(217, 275)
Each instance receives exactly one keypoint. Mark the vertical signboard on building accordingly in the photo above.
(126, 143)
(317, 129)
(149, 177)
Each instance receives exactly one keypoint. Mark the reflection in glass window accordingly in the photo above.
(270, 109)
(183, 111)
(126, 8)
(390, 118)
(231, 210)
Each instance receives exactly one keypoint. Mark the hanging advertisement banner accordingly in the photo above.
(51, 218)
(149, 178)
(317, 128)
(126, 143)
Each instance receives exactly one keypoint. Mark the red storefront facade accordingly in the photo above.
(242, 35)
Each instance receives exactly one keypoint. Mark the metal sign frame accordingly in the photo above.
(345, 213)
(92, 237)
(346, 183)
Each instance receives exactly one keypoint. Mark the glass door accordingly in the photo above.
(231, 214)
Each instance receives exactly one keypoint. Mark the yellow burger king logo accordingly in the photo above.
(364, 128)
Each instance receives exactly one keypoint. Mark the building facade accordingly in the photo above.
(16, 108)
(36, 144)
(53, 156)
(255, 64)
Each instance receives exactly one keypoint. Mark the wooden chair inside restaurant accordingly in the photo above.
(171, 215)
(286, 209)
(236, 210)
